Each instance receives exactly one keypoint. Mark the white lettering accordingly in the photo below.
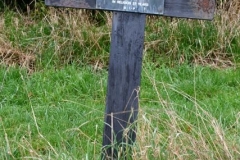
(135, 3)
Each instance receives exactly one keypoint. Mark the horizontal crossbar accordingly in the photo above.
(196, 9)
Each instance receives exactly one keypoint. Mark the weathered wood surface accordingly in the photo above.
(88, 4)
(123, 80)
(199, 9)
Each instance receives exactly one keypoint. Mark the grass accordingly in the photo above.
(59, 113)
(48, 112)
(53, 76)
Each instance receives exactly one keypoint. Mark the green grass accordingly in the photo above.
(53, 76)
(68, 105)
(59, 112)
(216, 90)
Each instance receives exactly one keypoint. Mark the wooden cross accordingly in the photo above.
(126, 51)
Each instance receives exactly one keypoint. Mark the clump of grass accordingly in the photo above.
(61, 37)
(171, 129)
(176, 41)
(56, 114)
(76, 39)
(12, 56)
(165, 134)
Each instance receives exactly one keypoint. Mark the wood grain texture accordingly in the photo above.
(87, 4)
(199, 9)
(196, 9)
(126, 50)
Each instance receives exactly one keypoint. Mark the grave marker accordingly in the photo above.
(126, 50)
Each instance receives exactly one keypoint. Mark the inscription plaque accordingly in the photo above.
(141, 6)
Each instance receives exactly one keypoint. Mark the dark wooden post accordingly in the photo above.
(126, 51)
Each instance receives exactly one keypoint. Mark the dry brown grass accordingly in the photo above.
(220, 55)
(181, 139)
(165, 134)
(13, 57)
(10, 56)
(228, 23)
(215, 60)
(80, 28)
